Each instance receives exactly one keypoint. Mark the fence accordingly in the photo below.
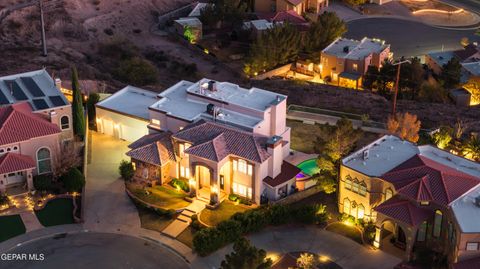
(282, 70)
(295, 197)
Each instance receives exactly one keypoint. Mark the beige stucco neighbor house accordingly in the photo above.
(420, 196)
(299, 6)
(345, 61)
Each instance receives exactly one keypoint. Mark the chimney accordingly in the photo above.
(53, 117)
(212, 86)
(58, 83)
(274, 147)
(366, 154)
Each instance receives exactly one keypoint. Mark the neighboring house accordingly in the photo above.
(290, 17)
(197, 10)
(436, 60)
(39, 89)
(345, 61)
(221, 138)
(380, 2)
(257, 27)
(29, 145)
(125, 114)
(189, 28)
(298, 6)
(420, 196)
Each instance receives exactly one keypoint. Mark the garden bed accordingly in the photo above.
(348, 231)
(56, 212)
(224, 211)
(11, 226)
(158, 196)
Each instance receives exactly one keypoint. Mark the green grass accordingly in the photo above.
(151, 220)
(11, 226)
(56, 212)
(224, 211)
(186, 237)
(348, 231)
(161, 196)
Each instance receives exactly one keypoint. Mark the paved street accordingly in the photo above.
(409, 38)
(96, 250)
(279, 240)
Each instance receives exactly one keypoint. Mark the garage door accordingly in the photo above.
(107, 127)
(132, 134)
(15, 178)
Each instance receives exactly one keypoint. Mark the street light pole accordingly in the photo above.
(397, 81)
(42, 22)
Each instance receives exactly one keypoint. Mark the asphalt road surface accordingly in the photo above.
(408, 38)
(94, 250)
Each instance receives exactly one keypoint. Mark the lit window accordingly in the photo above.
(182, 148)
(242, 166)
(355, 186)
(182, 171)
(472, 246)
(355, 67)
(437, 224)
(235, 165)
(249, 193)
(155, 122)
(361, 212)
(250, 170)
(242, 190)
(187, 172)
(424, 203)
(44, 161)
(346, 206)
(235, 187)
(363, 189)
(388, 194)
(65, 122)
(348, 183)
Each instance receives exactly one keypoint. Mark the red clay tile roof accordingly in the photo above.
(283, 16)
(214, 141)
(473, 263)
(423, 179)
(18, 123)
(403, 210)
(13, 162)
(288, 172)
(156, 149)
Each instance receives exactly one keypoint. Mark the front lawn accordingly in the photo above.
(346, 230)
(56, 212)
(224, 211)
(161, 196)
(150, 220)
(11, 226)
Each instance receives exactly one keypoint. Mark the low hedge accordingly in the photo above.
(208, 240)
(181, 184)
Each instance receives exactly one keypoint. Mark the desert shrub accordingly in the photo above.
(136, 71)
(126, 170)
(43, 182)
(73, 180)
(180, 184)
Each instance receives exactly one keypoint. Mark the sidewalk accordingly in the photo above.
(30, 221)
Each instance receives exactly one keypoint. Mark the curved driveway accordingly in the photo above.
(408, 38)
(96, 250)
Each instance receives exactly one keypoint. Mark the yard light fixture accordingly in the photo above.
(191, 182)
(214, 189)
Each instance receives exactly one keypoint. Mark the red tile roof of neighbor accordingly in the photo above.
(423, 179)
(18, 123)
(403, 210)
(214, 141)
(473, 263)
(13, 162)
(283, 16)
(156, 149)
(288, 172)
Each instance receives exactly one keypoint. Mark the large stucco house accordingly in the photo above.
(299, 6)
(421, 196)
(218, 136)
(345, 61)
(35, 125)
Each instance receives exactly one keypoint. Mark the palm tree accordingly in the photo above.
(471, 148)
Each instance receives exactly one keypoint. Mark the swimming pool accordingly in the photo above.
(309, 167)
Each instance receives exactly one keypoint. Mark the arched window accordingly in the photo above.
(363, 189)
(44, 162)
(355, 186)
(348, 183)
(64, 122)
(346, 206)
(361, 212)
(437, 223)
(388, 194)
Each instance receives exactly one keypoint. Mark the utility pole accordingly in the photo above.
(397, 81)
(42, 22)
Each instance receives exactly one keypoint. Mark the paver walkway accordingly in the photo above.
(184, 219)
(30, 221)
(280, 240)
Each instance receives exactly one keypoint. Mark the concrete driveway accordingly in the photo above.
(107, 207)
(279, 240)
(96, 250)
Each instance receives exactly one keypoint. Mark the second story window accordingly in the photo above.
(348, 183)
(355, 67)
(388, 194)
(243, 167)
(182, 148)
(65, 122)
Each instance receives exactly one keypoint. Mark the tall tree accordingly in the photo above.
(451, 73)
(78, 113)
(411, 76)
(93, 98)
(246, 256)
(224, 11)
(406, 126)
(321, 33)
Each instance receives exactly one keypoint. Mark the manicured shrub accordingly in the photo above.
(43, 182)
(126, 170)
(369, 232)
(279, 214)
(208, 240)
(73, 180)
(305, 214)
(195, 224)
(233, 197)
(231, 229)
(181, 184)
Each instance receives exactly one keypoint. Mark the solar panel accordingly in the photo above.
(40, 104)
(15, 89)
(32, 87)
(57, 100)
(3, 99)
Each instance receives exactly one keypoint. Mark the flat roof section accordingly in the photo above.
(467, 212)
(130, 101)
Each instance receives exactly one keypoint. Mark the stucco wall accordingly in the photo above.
(129, 129)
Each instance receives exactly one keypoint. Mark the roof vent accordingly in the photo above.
(346, 49)
(210, 109)
(212, 86)
(391, 147)
(365, 154)
(477, 201)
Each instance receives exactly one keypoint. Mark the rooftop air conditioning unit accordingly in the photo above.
(212, 86)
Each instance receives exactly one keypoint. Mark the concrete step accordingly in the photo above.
(187, 212)
(184, 218)
(175, 228)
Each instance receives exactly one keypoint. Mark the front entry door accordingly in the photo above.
(203, 176)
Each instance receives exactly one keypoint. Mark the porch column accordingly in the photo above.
(411, 232)
(378, 236)
(214, 187)
(29, 177)
(192, 182)
(3, 183)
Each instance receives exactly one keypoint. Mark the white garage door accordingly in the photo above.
(107, 127)
(131, 134)
(15, 178)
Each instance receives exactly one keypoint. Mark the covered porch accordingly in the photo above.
(350, 80)
(16, 173)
